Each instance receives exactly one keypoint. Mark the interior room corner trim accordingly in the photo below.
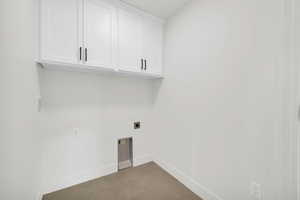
(188, 181)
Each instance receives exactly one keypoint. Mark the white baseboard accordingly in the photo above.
(189, 182)
(142, 160)
(81, 177)
(125, 164)
(39, 196)
(89, 175)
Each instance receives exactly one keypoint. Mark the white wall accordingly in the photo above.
(103, 109)
(216, 116)
(19, 142)
(297, 64)
(219, 112)
(39, 151)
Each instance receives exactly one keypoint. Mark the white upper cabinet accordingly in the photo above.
(99, 18)
(60, 28)
(140, 40)
(100, 35)
(152, 41)
(129, 41)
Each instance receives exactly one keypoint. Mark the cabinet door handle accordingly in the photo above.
(80, 53)
(86, 55)
(145, 64)
(142, 64)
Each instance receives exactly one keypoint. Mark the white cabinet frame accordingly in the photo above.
(92, 45)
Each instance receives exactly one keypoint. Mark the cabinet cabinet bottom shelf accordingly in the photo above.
(95, 69)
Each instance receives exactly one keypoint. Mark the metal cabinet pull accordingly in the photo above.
(145, 64)
(86, 55)
(80, 53)
(142, 64)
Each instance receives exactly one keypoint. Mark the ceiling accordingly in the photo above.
(160, 8)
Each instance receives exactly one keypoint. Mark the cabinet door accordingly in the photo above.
(129, 45)
(98, 38)
(152, 40)
(60, 26)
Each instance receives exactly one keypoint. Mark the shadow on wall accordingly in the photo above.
(82, 116)
(70, 89)
(156, 89)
